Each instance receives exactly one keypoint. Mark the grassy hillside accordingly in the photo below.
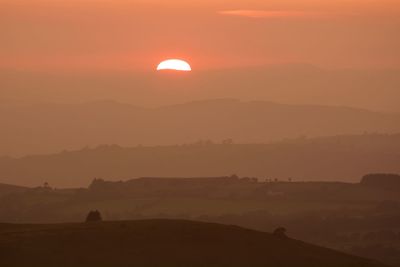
(339, 158)
(360, 218)
(191, 198)
(163, 243)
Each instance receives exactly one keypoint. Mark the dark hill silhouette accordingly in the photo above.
(53, 127)
(340, 158)
(382, 180)
(350, 217)
(194, 197)
(169, 243)
(6, 189)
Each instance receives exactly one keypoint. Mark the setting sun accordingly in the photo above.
(174, 64)
(199, 133)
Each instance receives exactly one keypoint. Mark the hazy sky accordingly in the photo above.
(136, 35)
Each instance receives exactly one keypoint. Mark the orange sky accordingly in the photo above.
(136, 35)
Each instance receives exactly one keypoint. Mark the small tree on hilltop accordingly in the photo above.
(280, 232)
(94, 216)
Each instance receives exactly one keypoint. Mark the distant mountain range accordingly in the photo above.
(375, 89)
(152, 243)
(50, 128)
(338, 158)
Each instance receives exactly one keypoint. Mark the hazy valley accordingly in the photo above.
(340, 158)
(212, 133)
(51, 128)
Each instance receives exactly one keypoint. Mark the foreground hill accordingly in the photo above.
(160, 243)
(339, 158)
(51, 128)
(356, 218)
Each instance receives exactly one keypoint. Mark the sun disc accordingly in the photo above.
(174, 64)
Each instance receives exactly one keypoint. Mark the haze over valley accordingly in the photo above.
(213, 133)
(51, 128)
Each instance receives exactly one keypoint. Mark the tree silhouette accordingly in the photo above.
(94, 216)
(280, 232)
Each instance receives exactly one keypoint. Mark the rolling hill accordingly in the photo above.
(6, 189)
(50, 128)
(339, 158)
(153, 243)
(375, 89)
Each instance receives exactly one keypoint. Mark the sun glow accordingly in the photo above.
(174, 64)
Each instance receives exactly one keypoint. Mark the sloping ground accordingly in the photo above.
(338, 158)
(164, 243)
(6, 189)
